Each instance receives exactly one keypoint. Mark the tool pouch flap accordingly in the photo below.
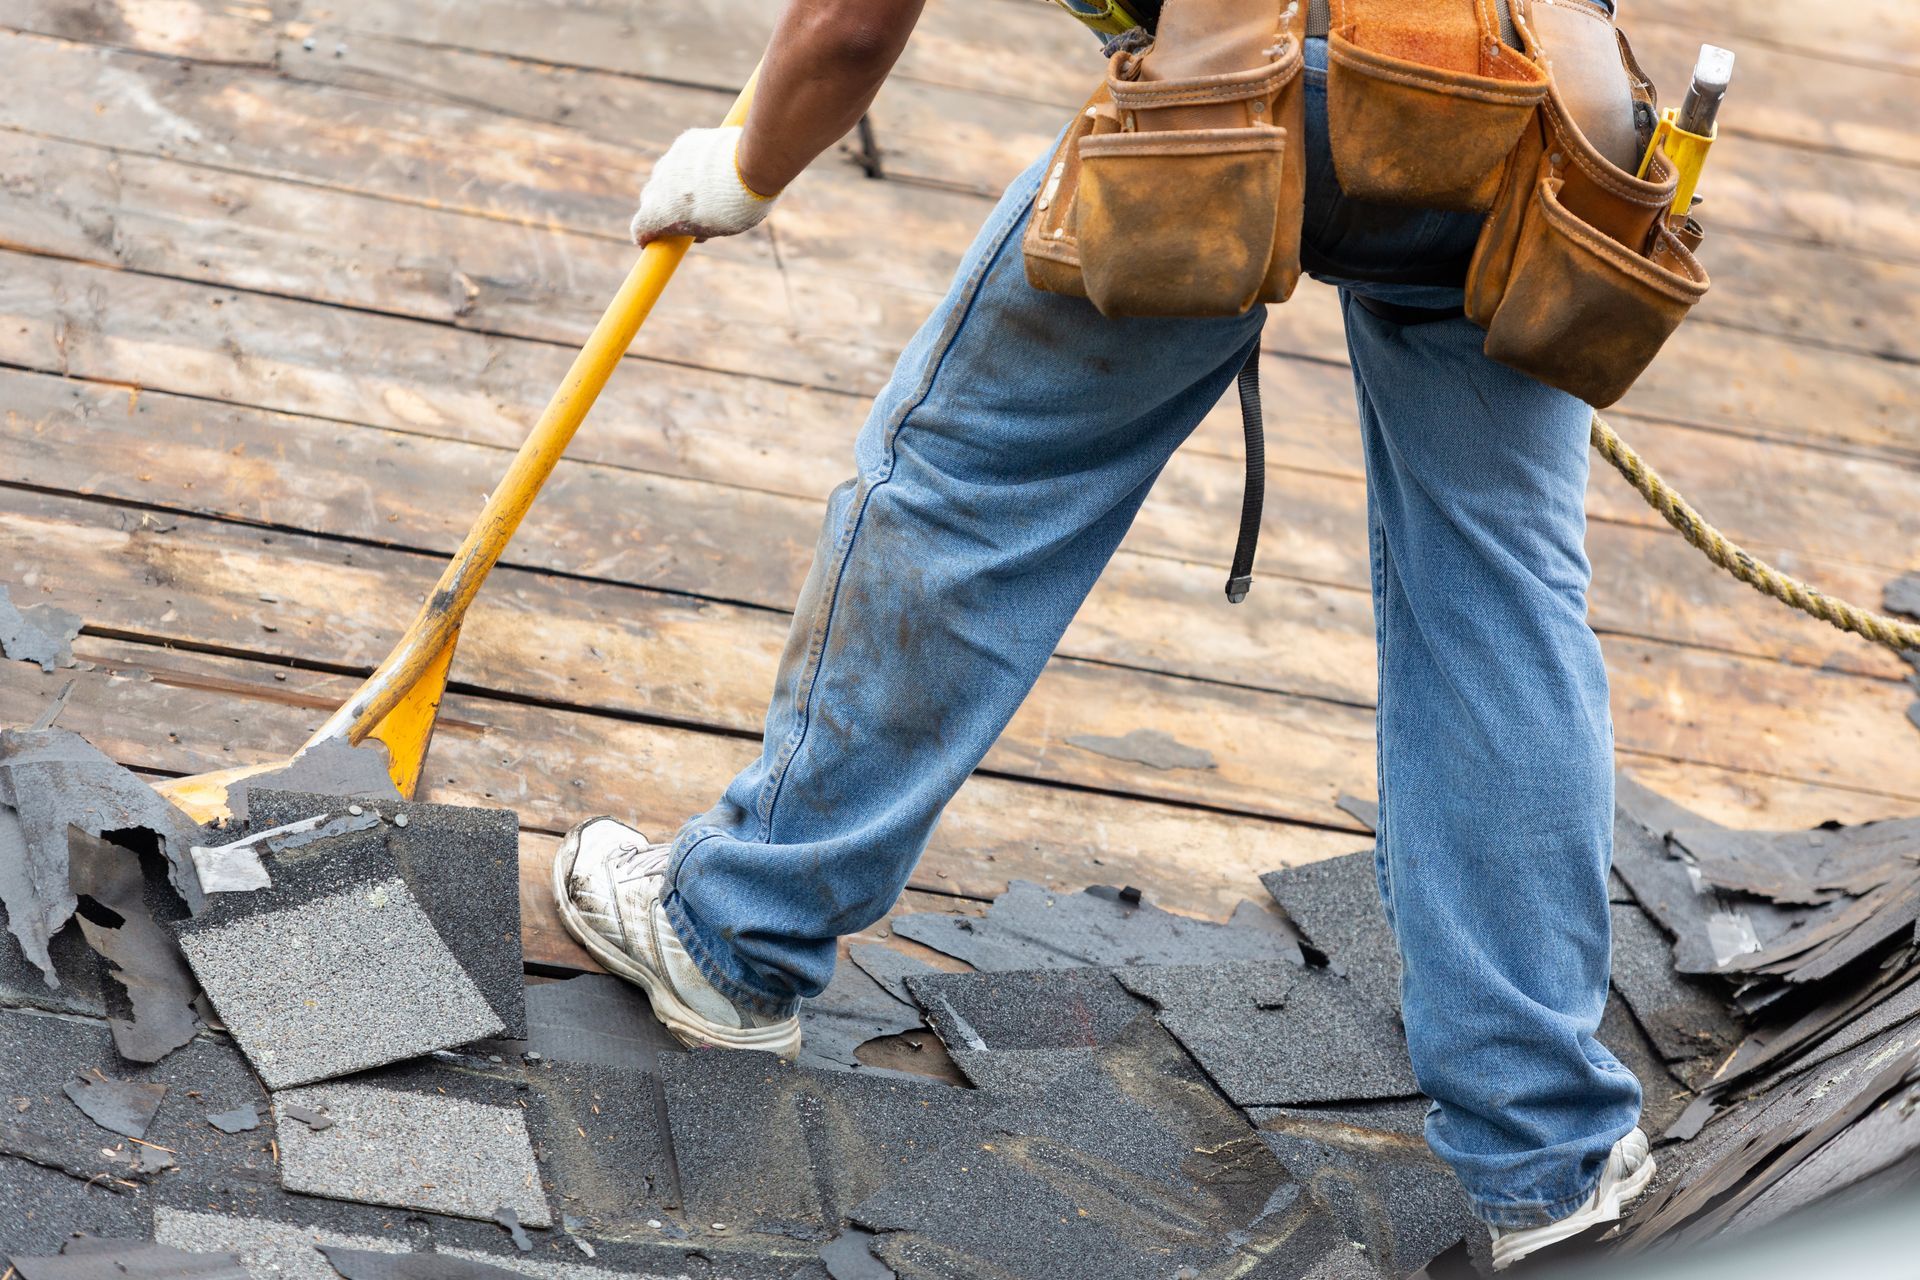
(1425, 100)
(1178, 190)
(1580, 275)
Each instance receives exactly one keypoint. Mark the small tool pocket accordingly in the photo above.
(1180, 222)
(1425, 101)
(1179, 189)
(1582, 311)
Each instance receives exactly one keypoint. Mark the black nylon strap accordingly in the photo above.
(1253, 498)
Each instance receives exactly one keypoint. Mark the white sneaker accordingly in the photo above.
(1629, 1170)
(608, 882)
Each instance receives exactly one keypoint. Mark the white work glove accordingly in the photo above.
(696, 190)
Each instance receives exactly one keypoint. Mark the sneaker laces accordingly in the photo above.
(642, 860)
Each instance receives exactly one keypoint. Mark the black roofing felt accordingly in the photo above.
(150, 998)
(596, 1018)
(1029, 927)
(1044, 1009)
(42, 633)
(854, 1009)
(1276, 1034)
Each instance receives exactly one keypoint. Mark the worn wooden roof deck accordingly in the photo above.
(282, 285)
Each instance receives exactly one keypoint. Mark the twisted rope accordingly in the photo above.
(1762, 577)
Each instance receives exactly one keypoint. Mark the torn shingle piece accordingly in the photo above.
(1139, 1128)
(128, 1260)
(596, 1018)
(1371, 1169)
(1685, 1017)
(822, 1140)
(1278, 1035)
(324, 986)
(331, 768)
(355, 1264)
(315, 1121)
(125, 1107)
(1803, 868)
(412, 1150)
(1029, 927)
(1045, 1009)
(462, 865)
(889, 968)
(1708, 928)
(42, 634)
(280, 1251)
(239, 1120)
(52, 782)
(1336, 905)
(510, 1221)
(151, 1009)
(1365, 812)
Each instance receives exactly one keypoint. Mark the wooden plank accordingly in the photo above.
(631, 652)
(625, 651)
(555, 767)
(828, 230)
(1883, 33)
(733, 314)
(739, 545)
(241, 33)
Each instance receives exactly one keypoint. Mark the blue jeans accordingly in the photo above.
(998, 471)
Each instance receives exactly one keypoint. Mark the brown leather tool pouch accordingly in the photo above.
(1578, 278)
(1178, 190)
(1425, 101)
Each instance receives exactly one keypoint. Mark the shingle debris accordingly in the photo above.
(124, 1107)
(854, 1009)
(42, 634)
(1043, 1009)
(51, 783)
(1030, 927)
(463, 867)
(334, 970)
(94, 1259)
(151, 1008)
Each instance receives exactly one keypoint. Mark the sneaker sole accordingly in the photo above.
(1565, 1229)
(687, 1025)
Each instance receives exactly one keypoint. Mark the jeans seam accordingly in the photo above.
(1516, 1215)
(816, 652)
(684, 928)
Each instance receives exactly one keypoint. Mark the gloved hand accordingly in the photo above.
(696, 190)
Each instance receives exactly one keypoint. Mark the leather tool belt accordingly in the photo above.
(1179, 189)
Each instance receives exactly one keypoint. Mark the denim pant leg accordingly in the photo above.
(997, 472)
(1496, 773)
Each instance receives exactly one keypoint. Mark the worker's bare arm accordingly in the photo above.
(824, 65)
(826, 61)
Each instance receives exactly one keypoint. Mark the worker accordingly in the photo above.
(996, 473)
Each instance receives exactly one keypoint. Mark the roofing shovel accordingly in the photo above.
(398, 703)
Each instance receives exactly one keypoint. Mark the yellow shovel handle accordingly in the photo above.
(439, 620)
